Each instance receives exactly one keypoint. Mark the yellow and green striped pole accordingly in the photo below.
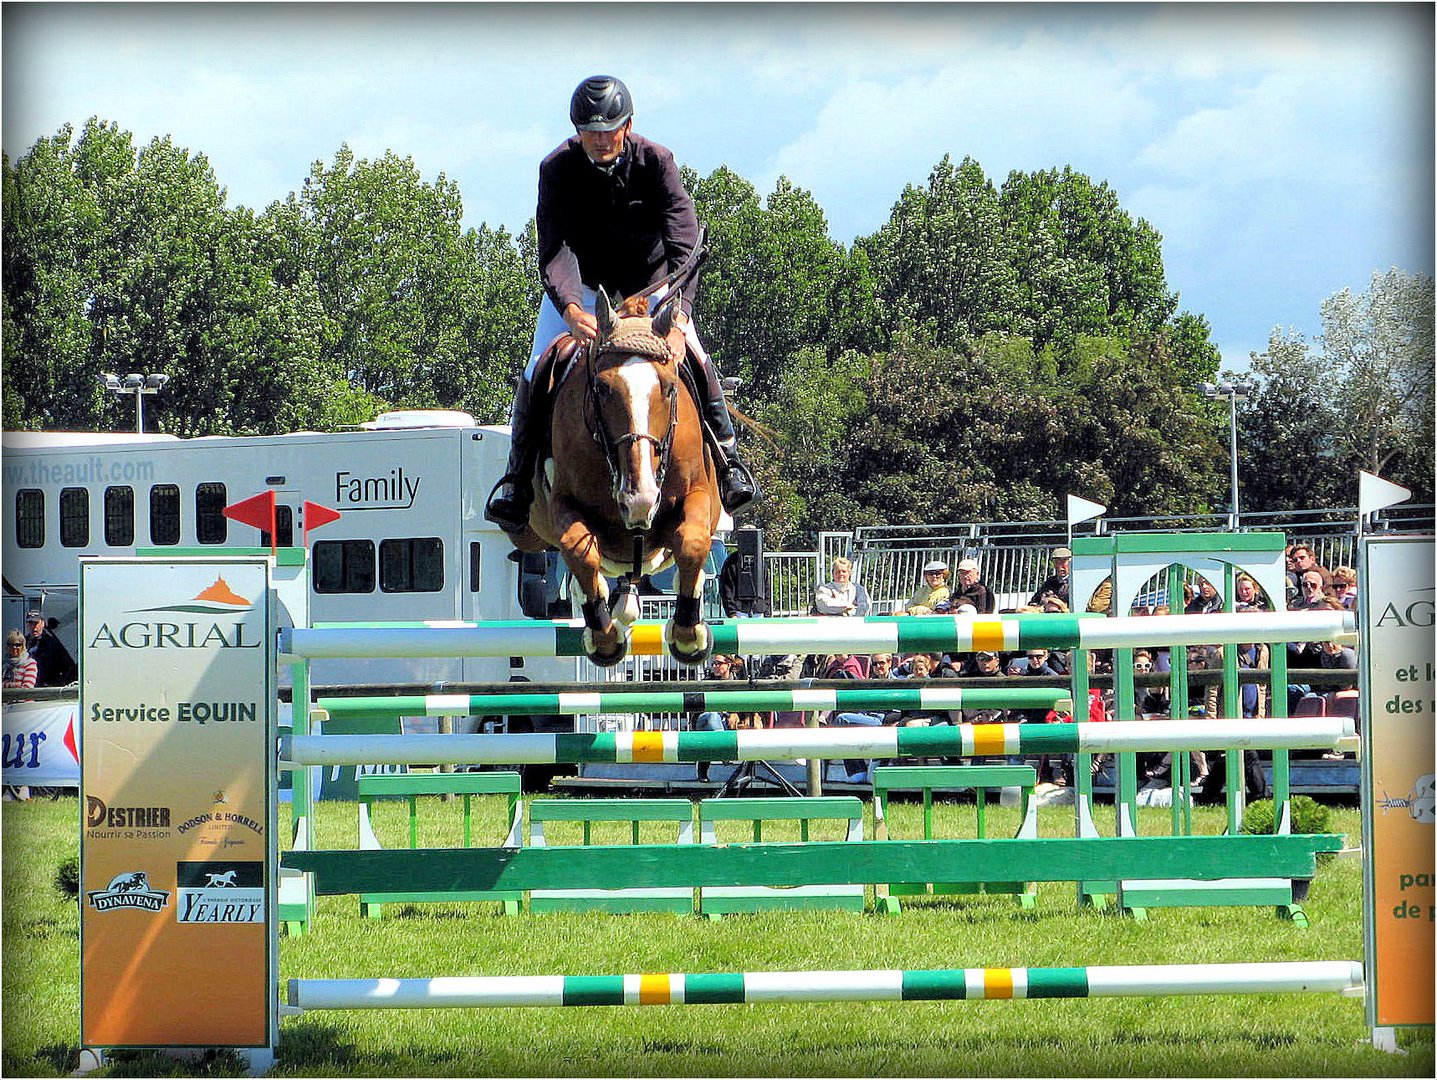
(740, 988)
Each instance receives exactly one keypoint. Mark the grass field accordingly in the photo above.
(1274, 1035)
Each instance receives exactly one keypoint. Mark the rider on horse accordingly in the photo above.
(612, 214)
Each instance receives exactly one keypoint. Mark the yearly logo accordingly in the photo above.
(129, 890)
(219, 892)
(198, 633)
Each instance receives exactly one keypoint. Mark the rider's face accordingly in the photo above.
(604, 147)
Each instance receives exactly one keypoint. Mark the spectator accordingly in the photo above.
(1152, 700)
(844, 667)
(1333, 655)
(1304, 560)
(1035, 662)
(934, 590)
(53, 663)
(1206, 601)
(1249, 597)
(1313, 597)
(972, 590)
(1253, 697)
(922, 666)
(742, 608)
(1057, 583)
(723, 668)
(1344, 586)
(880, 666)
(841, 595)
(20, 666)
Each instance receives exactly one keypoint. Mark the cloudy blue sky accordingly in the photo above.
(1284, 151)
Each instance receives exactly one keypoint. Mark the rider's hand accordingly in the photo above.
(581, 323)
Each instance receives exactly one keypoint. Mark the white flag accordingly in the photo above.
(1082, 510)
(1375, 493)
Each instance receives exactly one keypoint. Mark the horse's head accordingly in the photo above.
(634, 384)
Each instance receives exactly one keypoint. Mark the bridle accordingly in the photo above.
(602, 357)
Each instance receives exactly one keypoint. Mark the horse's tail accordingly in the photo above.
(763, 431)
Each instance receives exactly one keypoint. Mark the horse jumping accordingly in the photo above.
(629, 483)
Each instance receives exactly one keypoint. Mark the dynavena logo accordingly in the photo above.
(216, 601)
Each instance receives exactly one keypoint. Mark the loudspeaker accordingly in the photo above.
(750, 564)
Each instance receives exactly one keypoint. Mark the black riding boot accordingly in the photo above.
(737, 486)
(509, 502)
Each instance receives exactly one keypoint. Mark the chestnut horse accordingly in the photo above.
(628, 484)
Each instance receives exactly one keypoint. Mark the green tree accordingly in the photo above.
(942, 259)
(416, 312)
(1378, 353)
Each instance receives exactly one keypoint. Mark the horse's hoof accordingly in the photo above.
(610, 656)
(697, 653)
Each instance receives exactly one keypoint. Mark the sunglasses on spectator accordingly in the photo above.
(1142, 667)
(1037, 656)
(15, 645)
(1312, 584)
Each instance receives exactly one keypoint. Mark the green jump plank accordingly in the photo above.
(480, 783)
(961, 777)
(669, 865)
(781, 809)
(611, 810)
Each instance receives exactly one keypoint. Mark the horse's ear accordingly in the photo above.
(664, 320)
(604, 313)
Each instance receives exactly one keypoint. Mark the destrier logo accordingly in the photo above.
(129, 890)
(98, 815)
(217, 599)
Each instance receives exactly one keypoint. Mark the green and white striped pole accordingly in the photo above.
(582, 703)
(788, 744)
(740, 988)
(884, 633)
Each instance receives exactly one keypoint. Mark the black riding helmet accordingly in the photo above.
(601, 103)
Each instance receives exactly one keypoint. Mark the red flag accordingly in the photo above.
(257, 511)
(316, 515)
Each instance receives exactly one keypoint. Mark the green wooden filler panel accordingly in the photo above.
(676, 899)
(413, 786)
(976, 778)
(730, 899)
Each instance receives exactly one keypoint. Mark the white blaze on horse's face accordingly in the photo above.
(638, 486)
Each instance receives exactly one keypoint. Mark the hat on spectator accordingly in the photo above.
(966, 609)
(942, 607)
(934, 564)
(968, 564)
(1062, 553)
(987, 656)
(34, 616)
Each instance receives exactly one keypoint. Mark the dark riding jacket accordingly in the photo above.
(620, 231)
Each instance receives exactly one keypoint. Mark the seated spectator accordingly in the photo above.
(1205, 601)
(880, 666)
(1058, 582)
(725, 668)
(984, 665)
(20, 666)
(1344, 586)
(1314, 596)
(841, 595)
(922, 666)
(1248, 596)
(842, 666)
(1333, 655)
(1034, 662)
(54, 666)
(933, 590)
(972, 590)
(1304, 560)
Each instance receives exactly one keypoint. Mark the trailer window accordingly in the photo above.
(119, 516)
(284, 528)
(30, 518)
(74, 517)
(414, 564)
(164, 514)
(211, 525)
(343, 566)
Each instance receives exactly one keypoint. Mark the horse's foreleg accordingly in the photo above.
(686, 634)
(605, 641)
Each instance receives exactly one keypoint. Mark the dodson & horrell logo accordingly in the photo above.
(129, 890)
(216, 601)
(228, 892)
